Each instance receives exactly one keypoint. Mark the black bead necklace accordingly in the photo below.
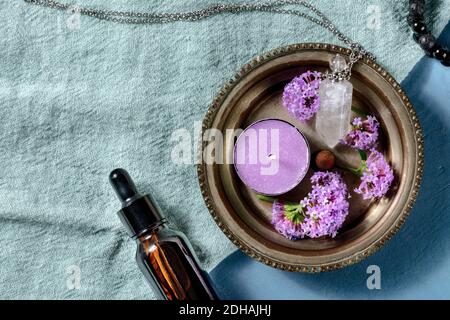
(423, 36)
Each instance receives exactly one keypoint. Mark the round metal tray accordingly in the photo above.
(255, 93)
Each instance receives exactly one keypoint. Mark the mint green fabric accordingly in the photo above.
(78, 100)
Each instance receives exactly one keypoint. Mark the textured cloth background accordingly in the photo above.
(79, 99)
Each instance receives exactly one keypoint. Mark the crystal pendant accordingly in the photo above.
(333, 117)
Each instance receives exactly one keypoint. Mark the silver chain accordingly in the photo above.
(357, 51)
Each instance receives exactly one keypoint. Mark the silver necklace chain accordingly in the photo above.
(357, 51)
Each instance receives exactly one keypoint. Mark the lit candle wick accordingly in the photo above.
(272, 156)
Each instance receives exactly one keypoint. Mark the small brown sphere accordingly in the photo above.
(325, 160)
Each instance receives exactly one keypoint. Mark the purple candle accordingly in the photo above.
(271, 156)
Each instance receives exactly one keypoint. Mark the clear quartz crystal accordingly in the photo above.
(333, 117)
(338, 63)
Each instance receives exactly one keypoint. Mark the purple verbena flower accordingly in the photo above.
(326, 205)
(284, 224)
(301, 96)
(364, 134)
(322, 212)
(377, 177)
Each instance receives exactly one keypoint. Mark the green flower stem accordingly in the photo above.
(362, 166)
(291, 206)
(294, 212)
(362, 155)
(265, 198)
(351, 170)
(288, 206)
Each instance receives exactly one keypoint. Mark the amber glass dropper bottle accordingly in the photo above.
(164, 256)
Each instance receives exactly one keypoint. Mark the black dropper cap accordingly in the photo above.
(139, 212)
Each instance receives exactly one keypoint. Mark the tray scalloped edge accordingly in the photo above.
(259, 256)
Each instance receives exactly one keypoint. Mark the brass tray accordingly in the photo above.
(255, 93)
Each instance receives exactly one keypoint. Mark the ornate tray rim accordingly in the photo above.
(209, 118)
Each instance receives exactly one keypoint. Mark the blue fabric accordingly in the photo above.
(80, 97)
(415, 264)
